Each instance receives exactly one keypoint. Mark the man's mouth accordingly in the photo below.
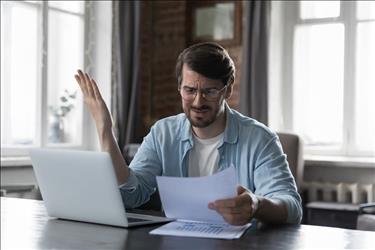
(200, 110)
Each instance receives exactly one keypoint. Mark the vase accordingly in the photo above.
(56, 129)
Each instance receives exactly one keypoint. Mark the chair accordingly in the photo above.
(293, 148)
(129, 151)
(366, 217)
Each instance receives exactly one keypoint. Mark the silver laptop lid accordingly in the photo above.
(79, 185)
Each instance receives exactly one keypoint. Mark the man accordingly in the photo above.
(208, 137)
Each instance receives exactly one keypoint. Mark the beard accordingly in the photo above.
(203, 116)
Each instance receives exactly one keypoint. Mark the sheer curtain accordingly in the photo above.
(125, 69)
(254, 69)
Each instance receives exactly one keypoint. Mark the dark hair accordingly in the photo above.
(208, 59)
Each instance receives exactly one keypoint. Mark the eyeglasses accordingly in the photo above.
(210, 94)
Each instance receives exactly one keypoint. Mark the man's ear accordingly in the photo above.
(229, 91)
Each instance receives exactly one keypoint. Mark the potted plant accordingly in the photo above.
(57, 116)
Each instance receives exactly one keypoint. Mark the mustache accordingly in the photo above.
(204, 107)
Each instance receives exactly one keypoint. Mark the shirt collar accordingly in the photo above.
(230, 131)
(231, 127)
(186, 134)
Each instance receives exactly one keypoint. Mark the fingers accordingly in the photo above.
(80, 81)
(95, 89)
(88, 86)
(233, 202)
(90, 89)
(241, 189)
(235, 216)
(236, 219)
(237, 205)
(235, 211)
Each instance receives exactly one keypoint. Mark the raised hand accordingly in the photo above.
(94, 102)
(103, 121)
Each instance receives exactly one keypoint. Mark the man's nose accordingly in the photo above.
(198, 98)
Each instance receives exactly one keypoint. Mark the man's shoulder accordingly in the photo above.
(171, 120)
(173, 124)
(251, 126)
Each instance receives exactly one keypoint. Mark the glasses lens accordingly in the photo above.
(189, 94)
(211, 94)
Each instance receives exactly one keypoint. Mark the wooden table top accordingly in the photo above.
(26, 225)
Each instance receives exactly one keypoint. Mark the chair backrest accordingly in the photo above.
(293, 148)
(129, 151)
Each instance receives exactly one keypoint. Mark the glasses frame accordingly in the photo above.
(219, 91)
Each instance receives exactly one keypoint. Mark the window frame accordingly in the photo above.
(347, 16)
(41, 135)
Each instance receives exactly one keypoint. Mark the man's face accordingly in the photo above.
(200, 111)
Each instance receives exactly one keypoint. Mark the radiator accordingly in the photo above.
(355, 193)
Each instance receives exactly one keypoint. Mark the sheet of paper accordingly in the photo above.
(201, 229)
(188, 198)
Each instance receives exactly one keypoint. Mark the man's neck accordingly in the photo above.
(216, 128)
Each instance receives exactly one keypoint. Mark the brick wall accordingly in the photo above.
(163, 37)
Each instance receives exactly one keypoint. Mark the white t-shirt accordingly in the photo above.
(204, 156)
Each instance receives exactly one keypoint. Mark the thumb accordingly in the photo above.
(241, 189)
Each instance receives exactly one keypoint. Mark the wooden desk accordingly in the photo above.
(25, 225)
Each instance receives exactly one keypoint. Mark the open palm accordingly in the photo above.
(94, 101)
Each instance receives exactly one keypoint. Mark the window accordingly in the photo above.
(327, 77)
(42, 45)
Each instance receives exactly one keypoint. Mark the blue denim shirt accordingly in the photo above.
(253, 149)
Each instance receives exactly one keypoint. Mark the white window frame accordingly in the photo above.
(21, 151)
(290, 19)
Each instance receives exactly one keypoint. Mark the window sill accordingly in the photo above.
(310, 160)
(19, 156)
(18, 161)
(340, 161)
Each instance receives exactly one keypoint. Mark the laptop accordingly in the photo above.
(82, 186)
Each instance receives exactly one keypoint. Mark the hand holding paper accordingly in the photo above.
(237, 210)
(188, 198)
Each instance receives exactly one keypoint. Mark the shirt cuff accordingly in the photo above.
(294, 209)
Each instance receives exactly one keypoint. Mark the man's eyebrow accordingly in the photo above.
(194, 87)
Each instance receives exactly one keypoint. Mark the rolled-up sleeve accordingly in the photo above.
(273, 179)
(144, 168)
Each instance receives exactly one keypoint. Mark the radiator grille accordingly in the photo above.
(355, 193)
